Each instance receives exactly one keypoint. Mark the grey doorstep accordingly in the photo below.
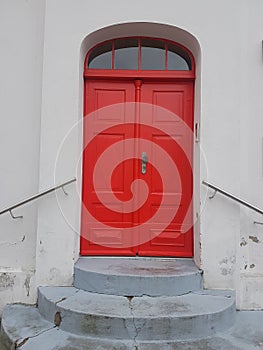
(137, 276)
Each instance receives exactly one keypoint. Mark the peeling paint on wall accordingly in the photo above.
(7, 281)
(9, 244)
(227, 265)
(254, 239)
(27, 284)
(243, 242)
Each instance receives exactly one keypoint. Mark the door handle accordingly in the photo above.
(144, 162)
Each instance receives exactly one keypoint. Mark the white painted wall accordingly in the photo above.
(250, 263)
(225, 37)
(21, 37)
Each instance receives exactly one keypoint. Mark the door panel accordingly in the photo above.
(172, 241)
(109, 239)
(177, 98)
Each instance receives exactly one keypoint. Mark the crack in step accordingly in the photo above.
(65, 298)
(19, 343)
(137, 331)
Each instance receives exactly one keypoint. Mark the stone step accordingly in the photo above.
(190, 316)
(24, 329)
(137, 276)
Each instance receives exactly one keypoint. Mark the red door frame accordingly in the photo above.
(131, 75)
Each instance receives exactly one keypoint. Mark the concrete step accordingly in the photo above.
(19, 323)
(191, 316)
(24, 329)
(137, 276)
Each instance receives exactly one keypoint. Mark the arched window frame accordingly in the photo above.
(150, 74)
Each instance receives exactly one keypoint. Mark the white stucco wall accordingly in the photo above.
(225, 37)
(21, 37)
(250, 281)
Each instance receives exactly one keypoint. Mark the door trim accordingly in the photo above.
(150, 76)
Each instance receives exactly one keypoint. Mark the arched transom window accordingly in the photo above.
(139, 54)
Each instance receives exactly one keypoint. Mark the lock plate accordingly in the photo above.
(144, 162)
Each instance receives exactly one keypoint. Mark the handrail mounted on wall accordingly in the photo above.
(235, 198)
(36, 196)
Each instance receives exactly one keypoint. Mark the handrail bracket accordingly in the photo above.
(15, 217)
(231, 196)
(213, 195)
(65, 192)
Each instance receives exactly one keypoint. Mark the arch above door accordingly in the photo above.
(139, 53)
(140, 57)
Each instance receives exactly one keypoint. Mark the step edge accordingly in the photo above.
(60, 306)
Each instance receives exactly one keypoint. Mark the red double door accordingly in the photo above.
(148, 146)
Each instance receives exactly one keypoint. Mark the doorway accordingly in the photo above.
(133, 72)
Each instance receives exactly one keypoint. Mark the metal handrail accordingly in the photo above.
(38, 195)
(235, 198)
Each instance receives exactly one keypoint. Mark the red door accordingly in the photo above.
(132, 145)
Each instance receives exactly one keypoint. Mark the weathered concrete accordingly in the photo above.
(193, 315)
(70, 318)
(246, 334)
(24, 328)
(87, 313)
(137, 276)
(57, 339)
(18, 320)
